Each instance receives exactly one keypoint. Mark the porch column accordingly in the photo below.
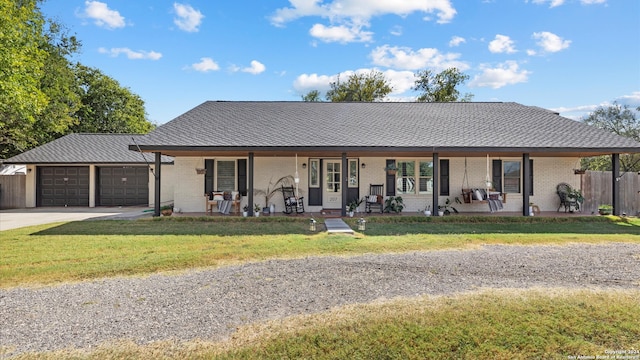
(345, 183)
(526, 186)
(436, 183)
(250, 191)
(615, 184)
(156, 190)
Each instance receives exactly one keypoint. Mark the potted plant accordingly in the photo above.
(166, 210)
(391, 169)
(427, 210)
(394, 204)
(245, 211)
(272, 189)
(447, 207)
(576, 194)
(353, 206)
(256, 210)
(605, 209)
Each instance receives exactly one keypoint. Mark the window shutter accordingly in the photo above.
(208, 177)
(444, 177)
(391, 180)
(497, 175)
(242, 176)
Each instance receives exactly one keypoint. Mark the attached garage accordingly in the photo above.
(123, 186)
(62, 186)
(91, 170)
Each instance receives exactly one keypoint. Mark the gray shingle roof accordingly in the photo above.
(381, 125)
(86, 149)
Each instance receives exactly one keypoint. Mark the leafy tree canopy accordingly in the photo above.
(620, 120)
(365, 87)
(440, 87)
(43, 95)
(312, 96)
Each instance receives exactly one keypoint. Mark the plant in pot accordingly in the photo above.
(391, 169)
(166, 210)
(576, 195)
(272, 189)
(256, 210)
(393, 204)
(353, 206)
(427, 210)
(605, 209)
(245, 211)
(447, 207)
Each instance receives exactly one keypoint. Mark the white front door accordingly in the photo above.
(332, 185)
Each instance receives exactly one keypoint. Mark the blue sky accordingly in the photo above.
(570, 56)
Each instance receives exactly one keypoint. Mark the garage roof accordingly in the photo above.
(87, 149)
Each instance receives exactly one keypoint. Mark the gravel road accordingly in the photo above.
(210, 304)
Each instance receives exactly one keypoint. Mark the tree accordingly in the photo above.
(312, 96)
(107, 107)
(58, 83)
(440, 87)
(22, 63)
(619, 120)
(360, 87)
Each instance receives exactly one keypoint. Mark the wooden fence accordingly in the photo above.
(596, 188)
(13, 191)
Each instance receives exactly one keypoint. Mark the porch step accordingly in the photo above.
(337, 226)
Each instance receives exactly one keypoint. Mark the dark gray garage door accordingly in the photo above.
(123, 186)
(63, 186)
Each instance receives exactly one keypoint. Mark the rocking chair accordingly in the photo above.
(374, 198)
(570, 203)
(291, 201)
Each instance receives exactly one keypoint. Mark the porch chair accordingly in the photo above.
(291, 201)
(563, 190)
(374, 198)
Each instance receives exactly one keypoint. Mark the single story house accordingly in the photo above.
(335, 151)
(91, 170)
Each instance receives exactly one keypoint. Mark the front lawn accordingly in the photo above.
(84, 250)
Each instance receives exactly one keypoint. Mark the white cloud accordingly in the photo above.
(255, 68)
(456, 41)
(550, 42)
(102, 15)
(206, 64)
(400, 81)
(556, 3)
(133, 55)
(349, 17)
(406, 59)
(507, 73)
(581, 111)
(396, 30)
(342, 34)
(362, 9)
(188, 18)
(502, 44)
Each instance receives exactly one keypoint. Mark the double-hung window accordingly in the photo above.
(414, 177)
(511, 176)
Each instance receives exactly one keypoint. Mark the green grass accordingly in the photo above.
(489, 324)
(496, 324)
(83, 250)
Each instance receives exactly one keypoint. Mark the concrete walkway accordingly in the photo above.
(337, 226)
(17, 218)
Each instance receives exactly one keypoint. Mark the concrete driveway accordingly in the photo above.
(16, 218)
